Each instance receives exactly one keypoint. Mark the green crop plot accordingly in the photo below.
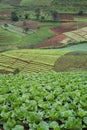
(15, 36)
(78, 47)
(37, 37)
(37, 2)
(5, 6)
(43, 101)
(31, 60)
(40, 35)
(81, 19)
(8, 38)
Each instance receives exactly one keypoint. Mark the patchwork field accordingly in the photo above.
(43, 65)
(44, 60)
(48, 35)
(23, 40)
(66, 33)
(78, 35)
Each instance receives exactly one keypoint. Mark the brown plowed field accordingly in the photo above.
(68, 26)
(62, 29)
(71, 61)
(70, 17)
(28, 24)
(5, 12)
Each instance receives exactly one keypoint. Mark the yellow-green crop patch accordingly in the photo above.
(31, 60)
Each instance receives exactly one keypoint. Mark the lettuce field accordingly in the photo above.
(43, 101)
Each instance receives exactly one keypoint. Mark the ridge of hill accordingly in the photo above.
(67, 6)
(11, 2)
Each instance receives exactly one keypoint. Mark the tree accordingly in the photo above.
(5, 25)
(54, 15)
(26, 30)
(42, 18)
(26, 16)
(37, 13)
(14, 16)
(16, 71)
(80, 12)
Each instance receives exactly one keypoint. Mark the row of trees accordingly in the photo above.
(42, 10)
(15, 17)
(53, 14)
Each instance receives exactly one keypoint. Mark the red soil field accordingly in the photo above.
(61, 29)
(29, 24)
(70, 17)
(54, 41)
(5, 12)
(66, 17)
(68, 26)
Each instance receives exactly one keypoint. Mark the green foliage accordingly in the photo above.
(18, 127)
(80, 12)
(54, 15)
(14, 16)
(5, 25)
(5, 6)
(43, 126)
(26, 16)
(37, 13)
(44, 101)
(26, 30)
(16, 71)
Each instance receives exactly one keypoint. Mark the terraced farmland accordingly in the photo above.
(14, 29)
(66, 33)
(79, 35)
(43, 60)
(30, 60)
(44, 37)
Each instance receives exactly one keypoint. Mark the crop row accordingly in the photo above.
(76, 37)
(44, 101)
(24, 65)
(14, 29)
